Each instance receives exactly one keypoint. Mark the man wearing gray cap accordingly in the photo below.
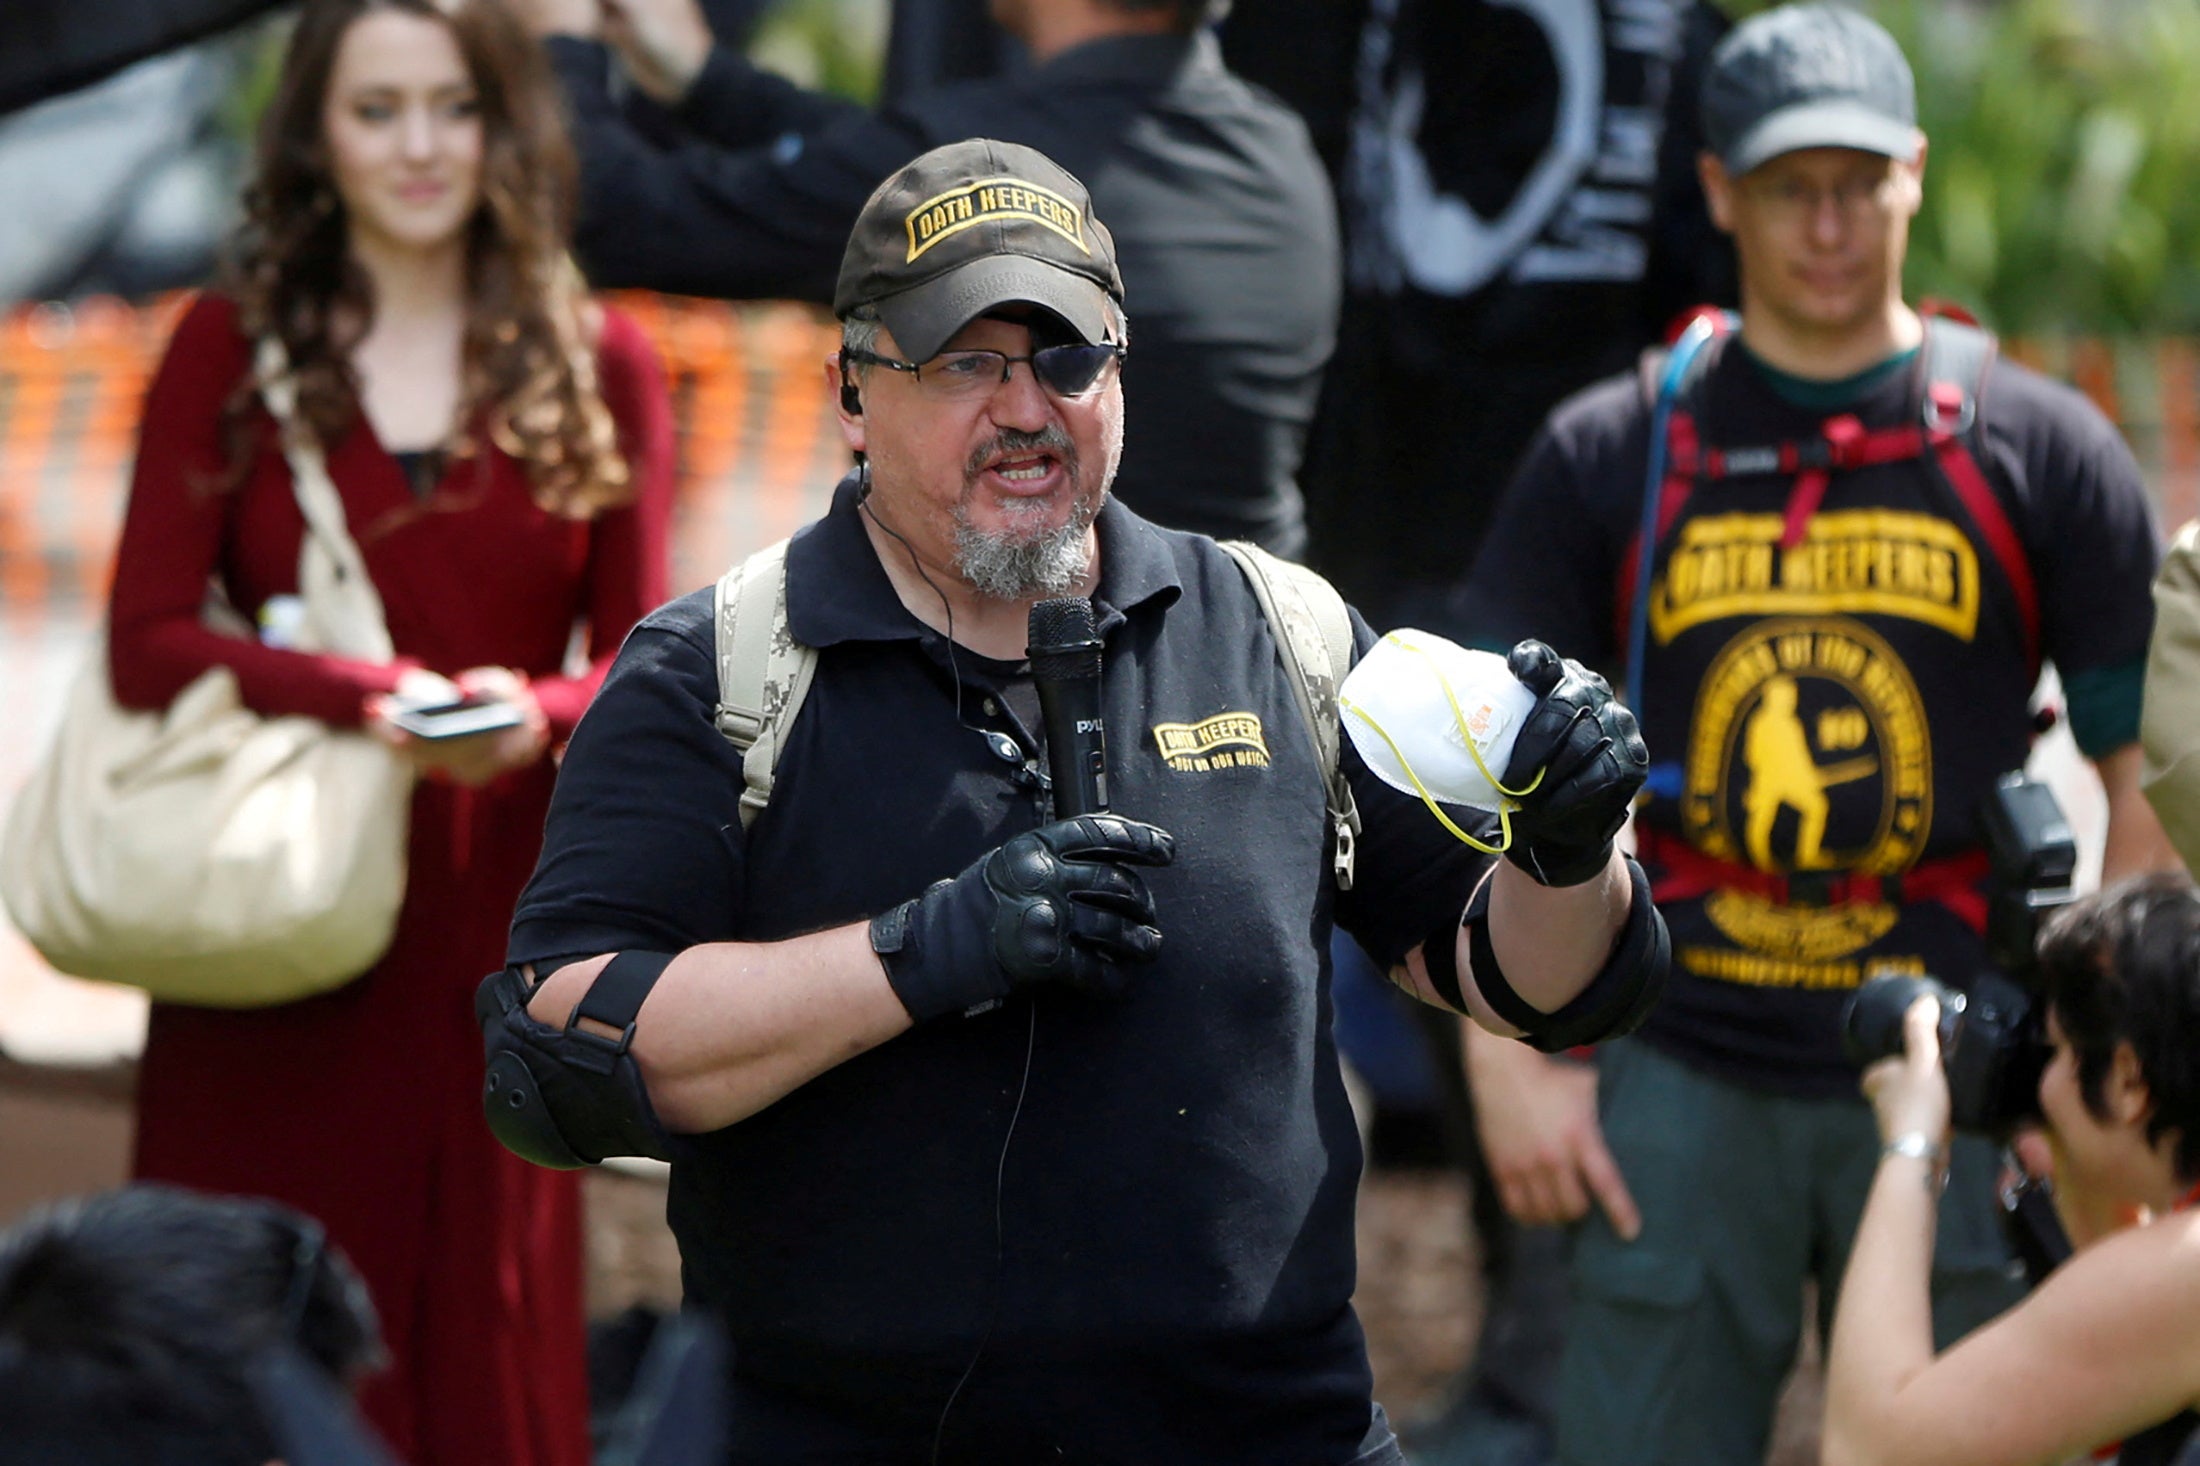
(1830, 546)
(1004, 1128)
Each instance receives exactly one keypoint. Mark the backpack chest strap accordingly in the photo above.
(1954, 369)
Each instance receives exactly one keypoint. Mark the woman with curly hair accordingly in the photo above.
(502, 449)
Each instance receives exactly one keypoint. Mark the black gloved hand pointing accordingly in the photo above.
(1592, 758)
(1060, 904)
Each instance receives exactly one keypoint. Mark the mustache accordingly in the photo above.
(1052, 438)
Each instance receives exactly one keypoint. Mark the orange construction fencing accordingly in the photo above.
(758, 444)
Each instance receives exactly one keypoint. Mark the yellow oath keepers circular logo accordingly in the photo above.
(1809, 750)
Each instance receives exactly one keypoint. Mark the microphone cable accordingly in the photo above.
(1000, 1233)
(1031, 1026)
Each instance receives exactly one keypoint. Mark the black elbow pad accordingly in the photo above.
(1617, 999)
(566, 1097)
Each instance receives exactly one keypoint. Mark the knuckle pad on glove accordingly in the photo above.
(1024, 864)
(1028, 939)
(1535, 664)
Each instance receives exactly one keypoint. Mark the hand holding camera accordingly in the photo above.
(1907, 1089)
(1988, 1039)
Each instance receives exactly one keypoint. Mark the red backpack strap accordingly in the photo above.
(1957, 356)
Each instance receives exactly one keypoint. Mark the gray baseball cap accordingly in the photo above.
(1808, 76)
(971, 226)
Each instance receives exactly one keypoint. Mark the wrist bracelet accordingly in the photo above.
(1917, 1145)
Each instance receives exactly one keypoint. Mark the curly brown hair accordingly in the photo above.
(529, 371)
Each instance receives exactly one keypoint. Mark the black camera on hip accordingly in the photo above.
(1992, 1044)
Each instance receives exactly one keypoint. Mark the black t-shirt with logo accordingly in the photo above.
(1172, 1273)
(1844, 705)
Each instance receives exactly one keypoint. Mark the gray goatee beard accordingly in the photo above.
(1006, 566)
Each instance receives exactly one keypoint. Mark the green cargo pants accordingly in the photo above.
(1679, 1341)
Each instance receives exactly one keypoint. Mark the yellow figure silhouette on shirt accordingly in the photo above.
(1784, 774)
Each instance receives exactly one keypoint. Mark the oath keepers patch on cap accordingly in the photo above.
(989, 200)
(971, 227)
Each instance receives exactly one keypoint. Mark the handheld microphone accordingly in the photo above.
(1065, 666)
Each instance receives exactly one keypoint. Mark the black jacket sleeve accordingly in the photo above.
(766, 222)
(1551, 561)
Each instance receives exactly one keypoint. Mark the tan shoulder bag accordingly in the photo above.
(205, 853)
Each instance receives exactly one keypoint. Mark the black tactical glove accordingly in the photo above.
(1059, 904)
(1592, 759)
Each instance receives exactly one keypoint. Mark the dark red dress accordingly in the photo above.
(363, 1106)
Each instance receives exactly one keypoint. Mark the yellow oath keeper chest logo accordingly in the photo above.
(1224, 741)
(1009, 200)
(1809, 750)
(1851, 562)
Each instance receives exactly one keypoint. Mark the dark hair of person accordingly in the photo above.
(529, 371)
(2123, 966)
(129, 1322)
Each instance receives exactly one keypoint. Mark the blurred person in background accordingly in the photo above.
(1521, 218)
(503, 451)
(133, 1324)
(2169, 728)
(1220, 209)
(1839, 637)
(2105, 1350)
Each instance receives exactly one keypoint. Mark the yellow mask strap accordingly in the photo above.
(1459, 718)
(1504, 808)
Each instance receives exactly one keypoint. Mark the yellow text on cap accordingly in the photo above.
(1011, 199)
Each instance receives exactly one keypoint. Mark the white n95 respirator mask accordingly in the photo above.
(1434, 719)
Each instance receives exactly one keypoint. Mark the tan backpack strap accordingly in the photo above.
(343, 608)
(763, 672)
(1313, 630)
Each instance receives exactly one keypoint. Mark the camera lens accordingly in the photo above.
(1871, 1025)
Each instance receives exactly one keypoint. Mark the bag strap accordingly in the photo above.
(763, 672)
(1669, 387)
(340, 595)
(1313, 631)
(1957, 356)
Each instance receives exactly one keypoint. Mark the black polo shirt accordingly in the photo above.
(1222, 218)
(1851, 698)
(1175, 1211)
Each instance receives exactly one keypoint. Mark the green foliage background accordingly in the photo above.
(2062, 189)
(836, 45)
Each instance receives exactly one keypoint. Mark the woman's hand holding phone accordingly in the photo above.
(472, 758)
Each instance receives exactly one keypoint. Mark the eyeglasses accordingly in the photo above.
(1070, 370)
(1797, 198)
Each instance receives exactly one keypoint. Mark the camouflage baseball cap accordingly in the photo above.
(971, 226)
